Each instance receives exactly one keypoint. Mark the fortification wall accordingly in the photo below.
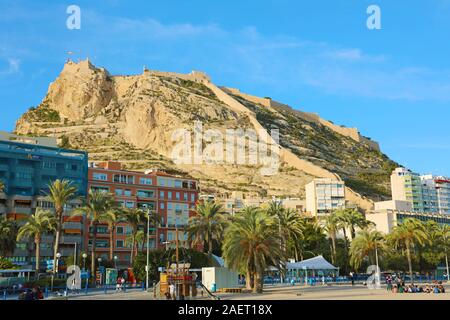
(196, 76)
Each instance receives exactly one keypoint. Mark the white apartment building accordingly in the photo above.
(324, 195)
(416, 193)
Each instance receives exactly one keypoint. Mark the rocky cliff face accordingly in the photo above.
(132, 119)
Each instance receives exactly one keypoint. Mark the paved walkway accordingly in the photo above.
(339, 292)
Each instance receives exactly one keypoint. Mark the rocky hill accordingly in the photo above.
(132, 119)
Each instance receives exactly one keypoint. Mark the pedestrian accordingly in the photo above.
(172, 291)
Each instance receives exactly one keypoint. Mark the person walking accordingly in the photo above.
(172, 291)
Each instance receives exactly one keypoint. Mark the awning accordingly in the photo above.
(316, 263)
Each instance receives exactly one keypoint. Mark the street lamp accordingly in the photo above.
(58, 256)
(148, 254)
(115, 261)
(84, 255)
(99, 261)
(55, 269)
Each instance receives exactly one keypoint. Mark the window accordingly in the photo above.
(192, 197)
(100, 189)
(119, 243)
(169, 194)
(161, 182)
(161, 194)
(177, 195)
(48, 165)
(119, 230)
(161, 205)
(129, 204)
(147, 181)
(119, 192)
(145, 194)
(177, 183)
(100, 176)
(127, 192)
(185, 196)
(123, 178)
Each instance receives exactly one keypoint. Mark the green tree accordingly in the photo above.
(111, 217)
(8, 235)
(252, 243)
(2, 186)
(61, 192)
(366, 244)
(290, 227)
(134, 217)
(39, 223)
(95, 207)
(331, 226)
(406, 235)
(207, 225)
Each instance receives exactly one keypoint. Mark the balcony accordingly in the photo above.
(73, 225)
(22, 210)
(71, 239)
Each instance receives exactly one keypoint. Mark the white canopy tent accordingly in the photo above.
(316, 263)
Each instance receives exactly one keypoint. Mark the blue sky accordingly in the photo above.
(393, 84)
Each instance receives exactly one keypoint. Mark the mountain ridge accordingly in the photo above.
(130, 118)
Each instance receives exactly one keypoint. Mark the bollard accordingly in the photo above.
(105, 288)
(86, 288)
(46, 292)
(4, 294)
(143, 286)
(124, 287)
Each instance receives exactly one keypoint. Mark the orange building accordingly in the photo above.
(173, 198)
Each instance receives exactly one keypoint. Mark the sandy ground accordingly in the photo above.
(342, 292)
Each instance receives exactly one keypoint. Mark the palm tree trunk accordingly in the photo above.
(258, 287)
(209, 247)
(248, 280)
(408, 255)
(132, 249)
(94, 244)
(111, 244)
(56, 244)
(37, 241)
(333, 246)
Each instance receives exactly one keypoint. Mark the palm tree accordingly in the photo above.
(407, 234)
(111, 217)
(207, 225)
(8, 234)
(61, 192)
(95, 207)
(2, 186)
(352, 219)
(41, 222)
(252, 243)
(444, 234)
(365, 244)
(331, 226)
(290, 225)
(134, 217)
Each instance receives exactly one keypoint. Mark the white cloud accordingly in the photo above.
(12, 68)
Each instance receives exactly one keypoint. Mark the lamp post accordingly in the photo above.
(99, 265)
(148, 253)
(115, 261)
(84, 255)
(58, 256)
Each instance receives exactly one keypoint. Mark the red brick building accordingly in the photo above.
(173, 197)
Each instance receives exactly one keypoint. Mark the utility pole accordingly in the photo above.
(148, 252)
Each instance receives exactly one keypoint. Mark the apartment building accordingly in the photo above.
(27, 169)
(324, 195)
(173, 198)
(386, 219)
(419, 193)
